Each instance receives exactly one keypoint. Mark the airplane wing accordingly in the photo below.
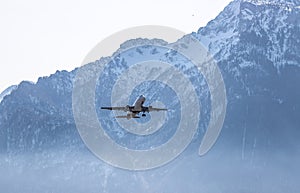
(115, 108)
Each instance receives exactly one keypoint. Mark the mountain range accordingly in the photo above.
(256, 45)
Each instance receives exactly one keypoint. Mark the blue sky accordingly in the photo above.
(39, 37)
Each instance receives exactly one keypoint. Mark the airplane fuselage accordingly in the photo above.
(135, 109)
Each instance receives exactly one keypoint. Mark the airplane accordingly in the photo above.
(133, 111)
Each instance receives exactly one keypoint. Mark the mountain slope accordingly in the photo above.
(7, 92)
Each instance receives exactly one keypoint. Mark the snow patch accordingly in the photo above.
(7, 92)
(246, 64)
(281, 4)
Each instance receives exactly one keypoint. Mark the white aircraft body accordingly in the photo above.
(133, 111)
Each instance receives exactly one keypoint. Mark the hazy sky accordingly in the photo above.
(39, 37)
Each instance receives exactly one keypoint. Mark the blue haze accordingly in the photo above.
(257, 47)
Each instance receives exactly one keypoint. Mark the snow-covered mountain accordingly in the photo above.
(256, 44)
(265, 27)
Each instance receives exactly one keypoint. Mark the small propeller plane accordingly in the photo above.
(133, 111)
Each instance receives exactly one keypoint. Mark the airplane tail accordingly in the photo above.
(123, 117)
(127, 117)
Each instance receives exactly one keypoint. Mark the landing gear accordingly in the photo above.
(143, 115)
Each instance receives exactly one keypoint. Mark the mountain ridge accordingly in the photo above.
(256, 46)
(229, 34)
